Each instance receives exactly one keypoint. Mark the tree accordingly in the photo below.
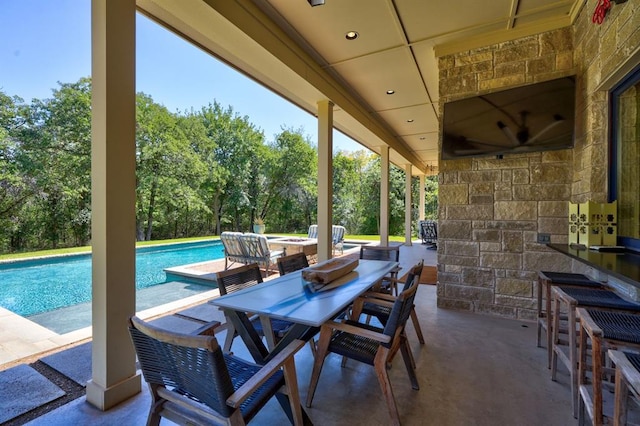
(167, 169)
(233, 159)
(16, 188)
(289, 169)
(56, 152)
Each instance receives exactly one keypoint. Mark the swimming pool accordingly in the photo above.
(34, 286)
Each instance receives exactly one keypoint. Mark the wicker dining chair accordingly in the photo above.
(389, 284)
(192, 382)
(382, 312)
(240, 278)
(292, 262)
(370, 345)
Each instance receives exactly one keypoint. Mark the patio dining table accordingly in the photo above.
(288, 298)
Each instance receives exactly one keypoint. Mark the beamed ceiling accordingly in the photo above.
(301, 53)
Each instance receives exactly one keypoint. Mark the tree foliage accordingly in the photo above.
(198, 172)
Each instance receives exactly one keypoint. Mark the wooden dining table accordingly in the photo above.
(289, 298)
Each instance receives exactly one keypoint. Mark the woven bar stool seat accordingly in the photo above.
(547, 279)
(572, 298)
(627, 383)
(605, 329)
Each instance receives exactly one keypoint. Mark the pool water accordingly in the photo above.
(34, 286)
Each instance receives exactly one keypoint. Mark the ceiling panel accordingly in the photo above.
(371, 80)
(427, 19)
(423, 116)
(324, 27)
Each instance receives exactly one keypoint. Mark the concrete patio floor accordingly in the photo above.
(473, 370)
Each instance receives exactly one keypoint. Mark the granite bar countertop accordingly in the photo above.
(623, 265)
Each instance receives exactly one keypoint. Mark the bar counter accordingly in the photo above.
(624, 266)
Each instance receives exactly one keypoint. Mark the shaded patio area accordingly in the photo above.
(473, 370)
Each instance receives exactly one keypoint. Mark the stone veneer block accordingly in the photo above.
(454, 194)
(512, 241)
(454, 230)
(477, 277)
(462, 248)
(553, 209)
(513, 287)
(515, 210)
(546, 261)
(476, 211)
(501, 260)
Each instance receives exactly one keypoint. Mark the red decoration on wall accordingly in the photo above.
(601, 11)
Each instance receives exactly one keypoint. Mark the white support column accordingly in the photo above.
(422, 198)
(325, 179)
(407, 205)
(384, 195)
(113, 183)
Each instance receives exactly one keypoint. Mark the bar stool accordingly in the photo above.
(605, 329)
(546, 279)
(572, 298)
(627, 382)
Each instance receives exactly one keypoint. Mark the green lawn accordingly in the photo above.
(85, 249)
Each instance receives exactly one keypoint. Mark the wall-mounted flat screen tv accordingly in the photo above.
(536, 117)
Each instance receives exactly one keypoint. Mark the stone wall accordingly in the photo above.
(491, 210)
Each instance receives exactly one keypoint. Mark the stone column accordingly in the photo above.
(113, 184)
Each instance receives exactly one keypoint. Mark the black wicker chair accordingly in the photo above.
(370, 345)
(193, 382)
(292, 262)
(382, 312)
(240, 278)
(429, 232)
(388, 284)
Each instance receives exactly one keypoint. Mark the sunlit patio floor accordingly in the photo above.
(473, 370)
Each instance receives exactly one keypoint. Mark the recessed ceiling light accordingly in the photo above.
(410, 120)
(390, 92)
(351, 35)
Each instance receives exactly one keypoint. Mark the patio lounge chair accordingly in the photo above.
(337, 236)
(313, 232)
(257, 250)
(234, 251)
(192, 382)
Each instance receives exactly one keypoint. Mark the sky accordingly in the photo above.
(43, 42)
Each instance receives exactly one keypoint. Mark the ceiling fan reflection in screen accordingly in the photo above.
(531, 118)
